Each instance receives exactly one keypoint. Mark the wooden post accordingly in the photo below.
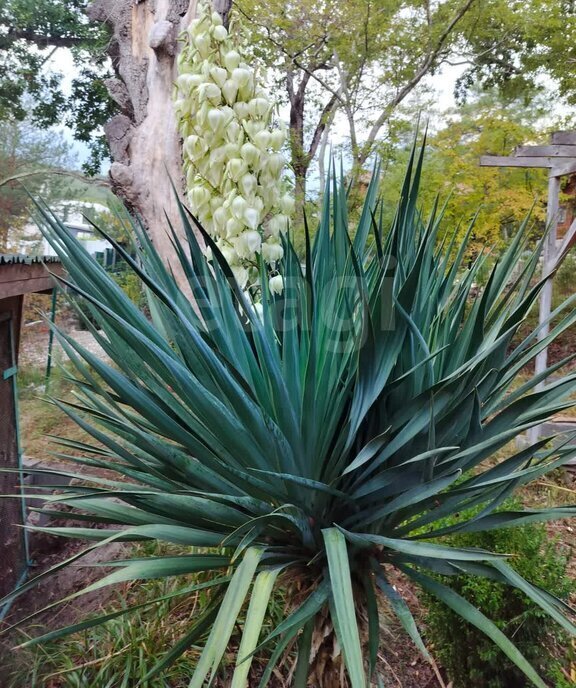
(548, 263)
(560, 159)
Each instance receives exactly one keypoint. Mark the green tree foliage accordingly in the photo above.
(500, 198)
(25, 149)
(364, 58)
(30, 33)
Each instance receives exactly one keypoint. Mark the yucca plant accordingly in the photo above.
(315, 439)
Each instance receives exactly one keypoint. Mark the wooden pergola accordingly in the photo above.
(559, 157)
(19, 275)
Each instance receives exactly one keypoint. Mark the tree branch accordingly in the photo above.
(96, 181)
(325, 117)
(44, 41)
(423, 70)
(293, 57)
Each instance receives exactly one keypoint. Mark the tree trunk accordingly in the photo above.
(299, 197)
(144, 140)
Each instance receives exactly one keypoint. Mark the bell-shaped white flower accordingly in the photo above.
(234, 227)
(219, 75)
(259, 107)
(202, 44)
(238, 206)
(278, 225)
(272, 252)
(276, 284)
(218, 155)
(262, 139)
(252, 217)
(242, 110)
(241, 275)
(197, 26)
(220, 217)
(231, 60)
(258, 310)
(199, 196)
(194, 147)
(220, 33)
(241, 77)
(287, 204)
(250, 153)
(187, 82)
(216, 119)
(232, 132)
(236, 168)
(275, 164)
(247, 184)
(248, 244)
(230, 91)
(210, 92)
(277, 139)
(229, 254)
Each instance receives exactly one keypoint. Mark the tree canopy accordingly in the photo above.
(30, 32)
(25, 149)
(364, 58)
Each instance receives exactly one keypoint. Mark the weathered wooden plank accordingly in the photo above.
(22, 278)
(511, 161)
(567, 138)
(554, 151)
(29, 286)
(561, 170)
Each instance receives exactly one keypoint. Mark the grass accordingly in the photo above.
(119, 654)
(38, 417)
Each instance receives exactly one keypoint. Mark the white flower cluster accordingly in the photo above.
(232, 158)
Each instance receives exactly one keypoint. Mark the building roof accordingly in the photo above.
(21, 259)
(20, 274)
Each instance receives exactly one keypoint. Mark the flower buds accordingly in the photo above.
(220, 33)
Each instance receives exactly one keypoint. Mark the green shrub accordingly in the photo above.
(466, 654)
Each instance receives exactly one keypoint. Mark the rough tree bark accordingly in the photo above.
(143, 137)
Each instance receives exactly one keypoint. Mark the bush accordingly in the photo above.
(467, 655)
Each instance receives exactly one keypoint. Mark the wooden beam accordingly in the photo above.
(511, 161)
(564, 138)
(562, 170)
(22, 278)
(555, 151)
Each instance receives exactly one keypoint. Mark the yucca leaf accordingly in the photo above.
(263, 586)
(400, 608)
(468, 612)
(344, 607)
(223, 625)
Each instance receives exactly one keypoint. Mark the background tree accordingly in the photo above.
(363, 59)
(499, 198)
(30, 33)
(359, 60)
(25, 149)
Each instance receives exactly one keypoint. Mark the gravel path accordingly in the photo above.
(34, 346)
